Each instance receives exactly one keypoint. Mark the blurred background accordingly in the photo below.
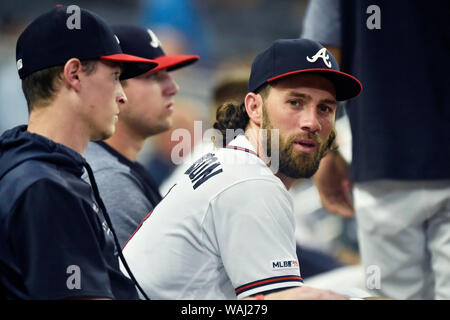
(226, 34)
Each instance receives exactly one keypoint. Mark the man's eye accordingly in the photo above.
(325, 108)
(152, 76)
(116, 76)
(295, 103)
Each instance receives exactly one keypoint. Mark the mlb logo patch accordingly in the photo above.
(284, 264)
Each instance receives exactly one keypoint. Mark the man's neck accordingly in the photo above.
(56, 124)
(253, 135)
(287, 181)
(126, 142)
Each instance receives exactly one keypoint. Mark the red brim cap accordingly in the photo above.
(133, 66)
(174, 62)
(287, 57)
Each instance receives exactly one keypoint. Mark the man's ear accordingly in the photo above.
(71, 74)
(253, 105)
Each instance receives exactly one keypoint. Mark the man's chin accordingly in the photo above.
(305, 166)
(154, 130)
(299, 174)
(103, 135)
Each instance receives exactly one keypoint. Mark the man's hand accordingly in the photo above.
(334, 186)
(305, 293)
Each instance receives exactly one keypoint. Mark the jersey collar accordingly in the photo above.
(242, 143)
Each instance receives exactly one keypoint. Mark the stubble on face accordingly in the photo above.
(104, 87)
(147, 111)
(294, 163)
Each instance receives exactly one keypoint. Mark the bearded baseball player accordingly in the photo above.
(226, 229)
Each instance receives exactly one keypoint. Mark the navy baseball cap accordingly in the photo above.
(295, 56)
(143, 42)
(72, 32)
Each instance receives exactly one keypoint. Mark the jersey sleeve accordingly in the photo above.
(255, 231)
(56, 240)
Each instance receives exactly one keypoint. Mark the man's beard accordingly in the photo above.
(294, 163)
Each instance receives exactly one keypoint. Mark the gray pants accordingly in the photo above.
(404, 237)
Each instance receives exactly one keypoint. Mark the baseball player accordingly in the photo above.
(128, 190)
(226, 229)
(56, 240)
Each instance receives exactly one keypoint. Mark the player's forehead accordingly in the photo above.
(154, 76)
(113, 65)
(310, 83)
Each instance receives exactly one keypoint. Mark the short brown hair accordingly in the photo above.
(40, 86)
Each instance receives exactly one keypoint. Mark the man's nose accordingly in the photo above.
(309, 120)
(171, 88)
(121, 97)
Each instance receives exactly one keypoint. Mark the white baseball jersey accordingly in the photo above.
(225, 230)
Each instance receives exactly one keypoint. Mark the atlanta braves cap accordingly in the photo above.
(295, 56)
(72, 32)
(143, 42)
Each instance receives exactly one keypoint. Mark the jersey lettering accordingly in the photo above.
(284, 264)
(203, 169)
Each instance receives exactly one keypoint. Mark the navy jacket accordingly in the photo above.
(54, 241)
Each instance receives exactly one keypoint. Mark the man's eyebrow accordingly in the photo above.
(299, 95)
(308, 97)
(329, 101)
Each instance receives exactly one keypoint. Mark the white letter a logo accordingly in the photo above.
(322, 53)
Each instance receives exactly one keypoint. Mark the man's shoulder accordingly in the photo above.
(244, 166)
(221, 168)
(255, 188)
(31, 171)
(38, 175)
(100, 159)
